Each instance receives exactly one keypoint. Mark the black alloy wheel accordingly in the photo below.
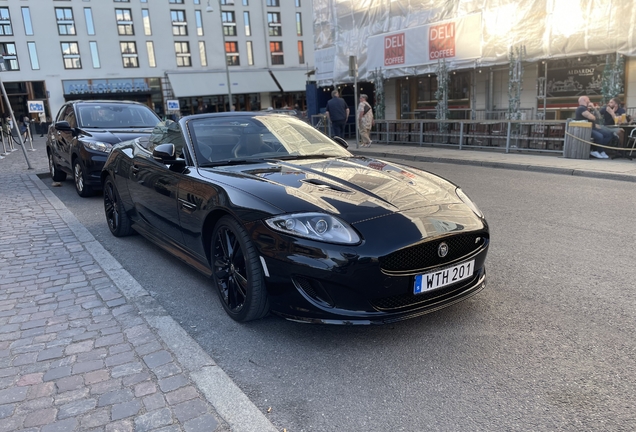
(118, 221)
(237, 272)
(56, 174)
(80, 180)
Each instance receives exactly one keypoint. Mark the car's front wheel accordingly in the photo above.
(118, 221)
(56, 174)
(80, 180)
(238, 274)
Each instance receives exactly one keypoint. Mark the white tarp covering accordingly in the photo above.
(548, 29)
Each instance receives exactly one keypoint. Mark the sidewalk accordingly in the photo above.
(82, 345)
(614, 169)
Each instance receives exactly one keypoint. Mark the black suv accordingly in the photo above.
(83, 134)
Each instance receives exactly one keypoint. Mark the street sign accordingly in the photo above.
(173, 105)
(36, 106)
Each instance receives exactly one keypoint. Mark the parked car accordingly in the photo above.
(285, 219)
(83, 133)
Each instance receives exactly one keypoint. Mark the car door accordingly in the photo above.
(63, 140)
(153, 190)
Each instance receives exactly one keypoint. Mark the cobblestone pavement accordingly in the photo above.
(82, 346)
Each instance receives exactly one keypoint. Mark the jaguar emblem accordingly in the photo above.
(442, 250)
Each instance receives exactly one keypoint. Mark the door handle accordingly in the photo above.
(135, 169)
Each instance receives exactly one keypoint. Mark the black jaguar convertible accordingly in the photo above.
(285, 219)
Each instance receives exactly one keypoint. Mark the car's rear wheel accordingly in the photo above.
(80, 179)
(238, 273)
(56, 174)
(118, 221)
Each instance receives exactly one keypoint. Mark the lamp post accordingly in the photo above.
(209, 8)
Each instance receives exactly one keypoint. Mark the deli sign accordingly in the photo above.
(394, 50)
(454, 40)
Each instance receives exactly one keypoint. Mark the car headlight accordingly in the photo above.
(315, 226)
(462, 196)
(99, 146)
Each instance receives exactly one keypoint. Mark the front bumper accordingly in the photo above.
(313, 282)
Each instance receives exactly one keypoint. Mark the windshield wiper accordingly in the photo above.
(228, 162)
(299, 157)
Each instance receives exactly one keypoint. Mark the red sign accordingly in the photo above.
(441, 41)
(394, 50)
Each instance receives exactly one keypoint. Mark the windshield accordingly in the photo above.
(113, 116)
(266, 136)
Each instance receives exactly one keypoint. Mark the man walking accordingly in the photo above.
(338, 113)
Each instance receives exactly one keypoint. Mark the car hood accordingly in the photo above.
(115, 136)
(357, 189)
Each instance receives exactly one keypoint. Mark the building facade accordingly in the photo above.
(564, 44)
(152, 51)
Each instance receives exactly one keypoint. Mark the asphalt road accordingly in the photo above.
(549, 345)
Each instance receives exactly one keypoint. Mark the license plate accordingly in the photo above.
(442, 278)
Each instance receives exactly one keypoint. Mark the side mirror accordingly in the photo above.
(165, 153)
(341, 141)
(63, 126)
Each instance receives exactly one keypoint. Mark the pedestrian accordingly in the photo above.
(599, 135)
(337, 112)
(42, 122)
(24, 128)
(366, 121)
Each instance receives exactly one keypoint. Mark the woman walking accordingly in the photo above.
(365, 116)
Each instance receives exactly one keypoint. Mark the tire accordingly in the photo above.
(80, 179)
(56, 174)
(237, 272)
(118, 221)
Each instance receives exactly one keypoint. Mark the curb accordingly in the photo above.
(221, 392)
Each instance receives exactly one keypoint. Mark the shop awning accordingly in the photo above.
(291, 81)
(215, 83)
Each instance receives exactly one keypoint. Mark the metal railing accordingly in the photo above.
(509, 135)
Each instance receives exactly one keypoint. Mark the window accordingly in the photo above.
(273, 3)
(182, 49)
(231, 53)
(123, 1)
(246, 3)
(301, 52)
(151, 54)
(229, 24)
(65, 22)
(145, 17)
(273, 22)
(10, 56)
(197, 1)
(5, 22)
(276, 48)
(179, 24)
(124, 22)
(250, 54)
(297, 3)
(88, 15)
(227, 2)
(33, 55)
(26, 17)
(299, 24)
(199, 21)
(202, 54)
(144, 1)
(246, 19)
(94, 55)
(129, 54)
(71, 55)
(176, 1)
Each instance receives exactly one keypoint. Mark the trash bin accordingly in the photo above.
(577, 140)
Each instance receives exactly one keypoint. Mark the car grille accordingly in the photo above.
(412, 300)
(424, 255)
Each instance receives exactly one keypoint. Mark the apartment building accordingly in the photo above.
(152, 51)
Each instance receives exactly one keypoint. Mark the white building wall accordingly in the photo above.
(48, 40)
